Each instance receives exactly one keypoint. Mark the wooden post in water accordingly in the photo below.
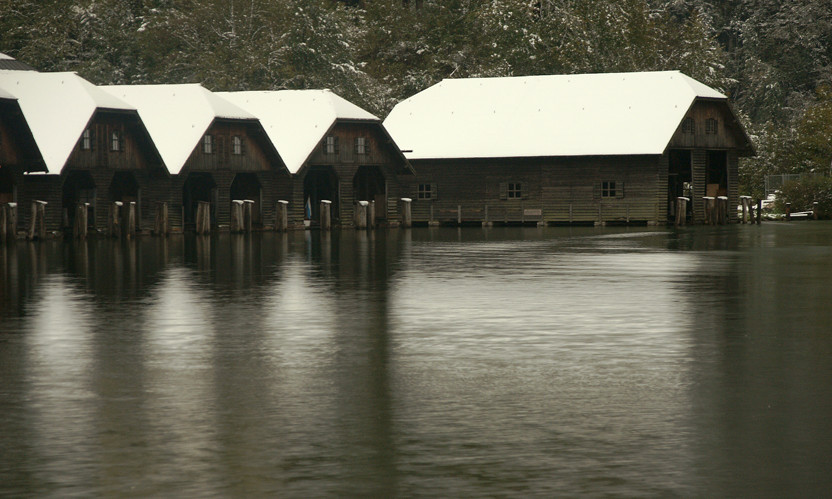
(37, 224)
(203, 218)
(722, 210)
(130, 220)
(160, 226)
(745, 201)
(431, 215)
(708, 201)
(114, 219)
(79, 229)
(815, 210)
(281, 222)
(407, 220)
(681, 210)
(248, 215)
(361, 214)
(371, 215)
(4, 222)
(459, 214)
(759, 210)
(11, 221)
(485, 222)
(788, 212)
(237, 216)
(326, 215)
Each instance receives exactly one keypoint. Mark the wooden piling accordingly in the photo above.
(759, 210)
(237, 216)
(129, 225)
(361, 209)
(681, 210)
(79, 228)
(203, 218)
(281, 222)
(371, 215)
(788, 212)
(722, 210)
(326, 215)
(4, 222)
(815, 210)
(745, 201)
(709, 203)
(114, 219)
(8, 231)
(160, 227)
(407, 220)
(248, 215)
(459, 214)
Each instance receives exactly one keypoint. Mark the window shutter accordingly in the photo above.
(323, 146)
(434, 191)
(242, 146)
(336, 145)
(414, 195)
(355, 146)
(503, 190)
(619, 189)
(524, 190)
(220, 145)
(596, 191)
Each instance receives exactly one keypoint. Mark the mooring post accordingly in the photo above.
(4, 222)
(37, 225)
(281, 222)
(485, 216)
(745, 203)
(130, 220)
(79, 229)
(203, 218)
(114, 219)
(723, 210)
(708, 201)
(236, 216)
(11, 221)
(407, 220)
(431, 214)
(161, 225)
(248, 215)
(788, 212)
(759, 210)
(815, 210)
(361, 214)
(459, 214)
(326, 215)
(681, 210)
(371, 215)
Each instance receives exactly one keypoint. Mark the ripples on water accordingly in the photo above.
(430, 362)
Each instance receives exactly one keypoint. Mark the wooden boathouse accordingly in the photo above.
(572, 149)
(215, 152)
(91, 148)
(335, 150)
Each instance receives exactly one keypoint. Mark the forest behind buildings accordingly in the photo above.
(772, 58)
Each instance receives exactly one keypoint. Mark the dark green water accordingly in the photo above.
(431, 362)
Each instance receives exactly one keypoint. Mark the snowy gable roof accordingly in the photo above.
(296, 120)
(57, 107)
(563, 115)
(177, 116)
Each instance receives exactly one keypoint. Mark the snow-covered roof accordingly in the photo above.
(177, 116)
(532, 116)
(296, 120)
(57, 108)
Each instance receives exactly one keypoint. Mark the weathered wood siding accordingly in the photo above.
(346, 162)
(257, 157)
(554, 190)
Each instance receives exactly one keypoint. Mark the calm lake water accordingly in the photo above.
(427, 362)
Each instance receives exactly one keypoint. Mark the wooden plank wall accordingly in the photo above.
(699, 162)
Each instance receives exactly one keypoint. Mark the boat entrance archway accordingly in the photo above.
(198, 187)
(7, 187)
(320, 183)
(78, 188)
(247, 186)
(370, 185)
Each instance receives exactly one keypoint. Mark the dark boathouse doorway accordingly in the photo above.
(246, 186)
(78, 188)
(320, 183)
(198, 187)
(7, 186)
(124, 188)
(679, 176)
(370, 185)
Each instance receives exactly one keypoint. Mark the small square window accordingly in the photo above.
(711, 125)
(237, 145)
(688, 125)
(331, 145)
(425, 192)
(361, 145)
(515, 190)
(608, 189)
(208, 144)
(86, 140)
(115, 141)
